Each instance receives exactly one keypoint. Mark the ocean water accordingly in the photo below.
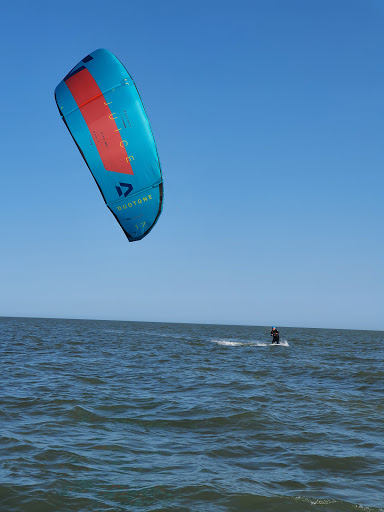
(132, 416)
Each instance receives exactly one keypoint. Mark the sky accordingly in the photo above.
(268, 118)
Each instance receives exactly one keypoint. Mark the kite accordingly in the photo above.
(102, 109)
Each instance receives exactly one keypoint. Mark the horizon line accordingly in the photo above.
(186, 323)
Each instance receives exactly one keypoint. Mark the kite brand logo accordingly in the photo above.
(135, 203)
(128, 186)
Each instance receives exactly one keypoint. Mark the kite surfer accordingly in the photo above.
(275, 335)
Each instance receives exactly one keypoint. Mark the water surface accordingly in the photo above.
(133, 416)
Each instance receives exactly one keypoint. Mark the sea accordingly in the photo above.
(161, 417)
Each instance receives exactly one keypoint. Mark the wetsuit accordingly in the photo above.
(275, 336)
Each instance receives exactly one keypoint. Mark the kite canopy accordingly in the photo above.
(103, 111)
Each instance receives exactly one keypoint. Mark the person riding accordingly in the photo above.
(275, 335)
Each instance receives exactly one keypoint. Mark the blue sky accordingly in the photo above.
(268, 117)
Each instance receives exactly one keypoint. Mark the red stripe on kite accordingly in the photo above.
(100, 121)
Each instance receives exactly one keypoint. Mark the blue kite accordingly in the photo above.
(103, 111)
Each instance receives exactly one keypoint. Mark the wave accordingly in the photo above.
(244, 343)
